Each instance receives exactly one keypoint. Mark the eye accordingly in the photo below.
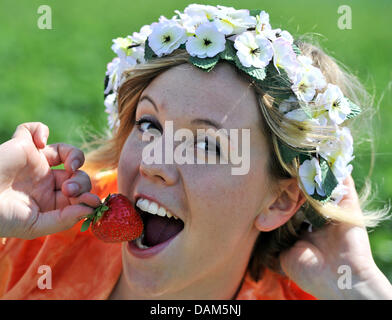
(147, 124)
(209, 146)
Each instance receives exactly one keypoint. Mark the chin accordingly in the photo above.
(146, 280)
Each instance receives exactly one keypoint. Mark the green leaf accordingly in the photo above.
(148, 52)
(85, 225)
(306, 109)
(329, 181)
(296, 49)
(229, 54)
(355, 110)
(288, 154)
(254, 12)
(277, 83)
(256, 73)
(206, 64)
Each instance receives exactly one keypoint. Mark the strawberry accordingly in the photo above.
(115, 220)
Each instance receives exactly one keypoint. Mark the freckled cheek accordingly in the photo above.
(219, 215)
(128, 165)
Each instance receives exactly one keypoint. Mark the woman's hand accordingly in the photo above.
(36, 200)
(335, 261)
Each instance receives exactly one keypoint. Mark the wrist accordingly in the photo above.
(370, 284)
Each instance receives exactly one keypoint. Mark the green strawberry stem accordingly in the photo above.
(96, 215)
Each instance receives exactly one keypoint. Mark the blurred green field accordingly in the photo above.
(56, 76)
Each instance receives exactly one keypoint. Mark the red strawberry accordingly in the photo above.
(115, 220)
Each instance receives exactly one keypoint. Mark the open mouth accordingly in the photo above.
(157, 229)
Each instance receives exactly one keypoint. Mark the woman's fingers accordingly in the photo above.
(58, 220)
(350, 200)
(73, 188)
(33, 131)
(88, 199)
(59, 153)
(72, 184)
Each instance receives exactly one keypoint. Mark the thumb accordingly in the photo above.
(35, 131)
(59, 220)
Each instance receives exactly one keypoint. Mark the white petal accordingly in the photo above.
(307, 173)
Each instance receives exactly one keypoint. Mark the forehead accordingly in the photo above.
(222, 95)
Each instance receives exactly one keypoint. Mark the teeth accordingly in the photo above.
(143, 204)
(162, 212)
(153, 208)
(139, 243)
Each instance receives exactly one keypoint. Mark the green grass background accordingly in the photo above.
(56, 76)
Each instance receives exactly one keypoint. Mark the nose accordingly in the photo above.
(156, 169)
(165, 173)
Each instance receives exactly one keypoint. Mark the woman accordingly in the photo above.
(231, 231)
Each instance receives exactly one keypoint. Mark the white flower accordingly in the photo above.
(338, 193)
(120, 46)
(141, 36)
(297, 114)
(117, 66)
(284, 56)
(333, 100)
(110, 103)
(166, 36)
(207, 42)
(341, 169)
(194, 15)
(263, 26)
(128, 50)
(253, 50)
(191, 23)
(274, 34)
(201, 10)
(285, 35)
(111, 72)
(288, 104)
(310, 174)
(340, 144)
(232, 21)
(111, 109)
(338, 151)
(207, 11)
(135, 56)
(306, 79)
(303, 87)
(113, 120)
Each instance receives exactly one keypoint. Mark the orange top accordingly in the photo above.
(85, 268)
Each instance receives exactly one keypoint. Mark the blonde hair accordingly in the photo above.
(106, 151)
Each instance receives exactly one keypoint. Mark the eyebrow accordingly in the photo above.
(146, 97)
(199, 121)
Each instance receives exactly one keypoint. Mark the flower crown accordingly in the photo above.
(246, 39)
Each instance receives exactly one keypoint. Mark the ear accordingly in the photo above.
(282, 207)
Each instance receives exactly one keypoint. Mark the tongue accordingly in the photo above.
(159, 229)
